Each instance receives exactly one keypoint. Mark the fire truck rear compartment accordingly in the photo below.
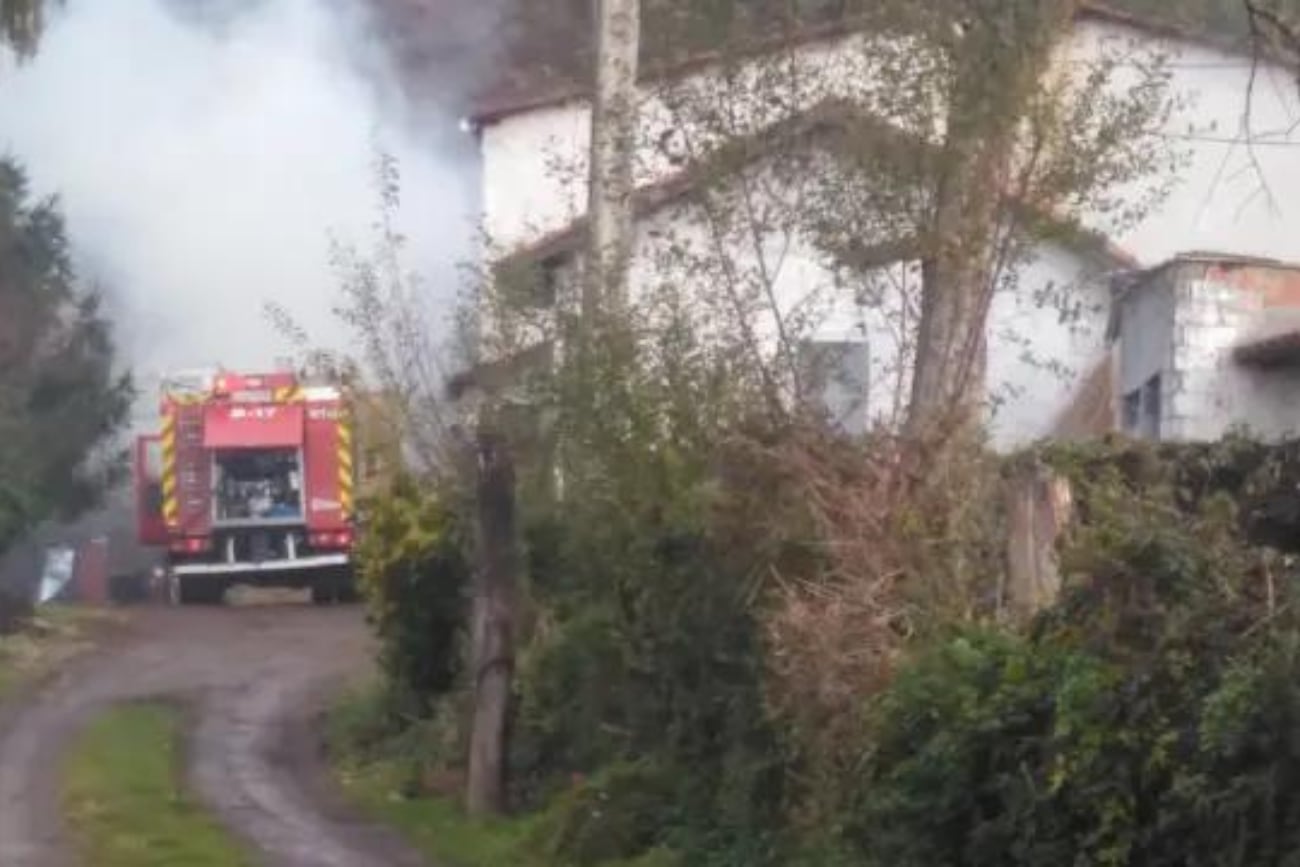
(257, 488)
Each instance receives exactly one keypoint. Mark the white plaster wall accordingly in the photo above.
(1047, 330)
(535, 163)
(526, 191)
(1229, 196)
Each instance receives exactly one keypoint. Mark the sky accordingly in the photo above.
(205, 152)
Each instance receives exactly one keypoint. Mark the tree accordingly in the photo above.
(21, 22)
(62, 399)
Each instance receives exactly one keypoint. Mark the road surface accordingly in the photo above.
(252, 679)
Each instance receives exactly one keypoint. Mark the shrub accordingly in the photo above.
(618, 814)
(1150, 718)
(651, 651)
(415, 574)
(16, 611)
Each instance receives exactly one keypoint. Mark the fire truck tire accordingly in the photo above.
(198, 590)
(323, 592)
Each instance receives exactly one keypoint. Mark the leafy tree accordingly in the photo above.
(61, 399)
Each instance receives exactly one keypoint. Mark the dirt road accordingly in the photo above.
(252, 678)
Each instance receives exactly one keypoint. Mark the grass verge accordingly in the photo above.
(378, 760)
(123, 799)
(435, 825)
(56, 634)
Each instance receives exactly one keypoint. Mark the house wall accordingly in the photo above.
(1209, 393)
(1225, 195)
(1047, 327)
(1047, 333)
(534, 183)
(535, 163)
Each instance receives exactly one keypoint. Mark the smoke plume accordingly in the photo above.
(204, 152)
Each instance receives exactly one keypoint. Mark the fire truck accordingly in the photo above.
(249, 480)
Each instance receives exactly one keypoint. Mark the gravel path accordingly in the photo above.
(254, 678)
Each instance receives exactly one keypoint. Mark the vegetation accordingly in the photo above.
(747, 636)
(62, 398)
(122, 797)
(43, 640)
(415, 573)
(385, 767)
(1147, 719)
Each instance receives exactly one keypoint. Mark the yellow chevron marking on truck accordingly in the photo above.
(170, 505)
(186, 398)
(345, 465)
(287, 394)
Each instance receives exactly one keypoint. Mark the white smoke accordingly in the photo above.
(205, 153)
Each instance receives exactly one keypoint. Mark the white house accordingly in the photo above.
(1050, 357)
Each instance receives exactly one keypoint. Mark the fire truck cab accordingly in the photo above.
(249, 480)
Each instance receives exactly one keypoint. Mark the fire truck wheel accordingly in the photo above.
(199, 590)
(323, 592)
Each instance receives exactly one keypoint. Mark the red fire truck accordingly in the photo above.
(249, 481)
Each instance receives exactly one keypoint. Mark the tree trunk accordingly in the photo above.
(613, 151)
(998, 67)
(493, 618)
(948, 379)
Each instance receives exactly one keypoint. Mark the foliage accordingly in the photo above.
(16, 611)
(1147, 719)
(376, 765)
(648, 647)
(48, 638)
(121, 790)
(619, 813)
(415, 574)
(61, 400)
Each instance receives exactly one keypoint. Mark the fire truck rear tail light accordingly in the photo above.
(191, 545)
(331, 540)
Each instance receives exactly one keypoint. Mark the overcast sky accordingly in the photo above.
(204, 159)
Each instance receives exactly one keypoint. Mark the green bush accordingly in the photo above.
(1152, 717)
(653, 652)
(415, 574)
(619, 814)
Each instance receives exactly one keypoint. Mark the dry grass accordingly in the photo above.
(903, 542)
(56, 634)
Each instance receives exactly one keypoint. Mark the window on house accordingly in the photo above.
(1132, 410)
(1142, 409)
(550, 277)
(1151, 407)
(835, 377)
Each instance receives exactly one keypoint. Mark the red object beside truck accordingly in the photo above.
(250, 480)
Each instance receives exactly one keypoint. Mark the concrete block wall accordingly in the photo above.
(1207, 392)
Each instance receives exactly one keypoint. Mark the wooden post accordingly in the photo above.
(1040, 509)
(495, 590)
